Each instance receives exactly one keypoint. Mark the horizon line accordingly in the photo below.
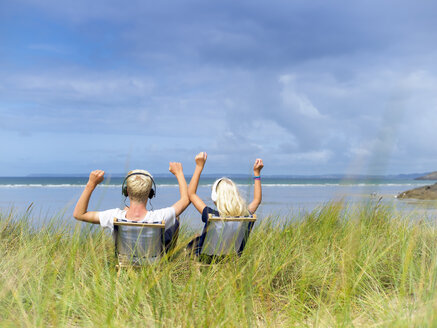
(167, 174)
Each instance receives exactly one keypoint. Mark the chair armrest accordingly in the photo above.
(139, 224)
(232, 219)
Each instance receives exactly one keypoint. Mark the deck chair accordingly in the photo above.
(226, 235)
(138, 243)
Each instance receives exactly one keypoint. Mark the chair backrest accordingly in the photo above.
(226, 235)
(138, 243)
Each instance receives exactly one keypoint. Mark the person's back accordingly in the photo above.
(138, 186)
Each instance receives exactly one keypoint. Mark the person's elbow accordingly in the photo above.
(254, 205)
(181, 205)
(79, 216)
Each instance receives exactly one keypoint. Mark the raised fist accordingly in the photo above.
(201, 158)
(96, 177)
(175, 168)
(257, 167)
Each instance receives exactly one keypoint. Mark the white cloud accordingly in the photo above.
(100, 86)
(295, 101)
(321, 156)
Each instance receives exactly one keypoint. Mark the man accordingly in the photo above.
(139, 190)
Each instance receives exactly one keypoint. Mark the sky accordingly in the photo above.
(311, 87)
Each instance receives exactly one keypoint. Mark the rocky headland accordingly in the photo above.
(430, 176)
(425, 193)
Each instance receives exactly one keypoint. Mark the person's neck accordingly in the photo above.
(136, 211)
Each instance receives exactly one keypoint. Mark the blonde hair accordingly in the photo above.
(229, 201)
(138, 186)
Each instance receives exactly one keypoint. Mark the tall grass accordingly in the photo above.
(338, 266)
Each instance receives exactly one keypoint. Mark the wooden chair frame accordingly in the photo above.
(237, 218)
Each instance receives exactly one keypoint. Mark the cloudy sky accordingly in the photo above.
(312, 87)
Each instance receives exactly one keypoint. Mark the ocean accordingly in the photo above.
(283, 197)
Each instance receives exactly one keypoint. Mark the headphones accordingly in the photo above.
(152, 192)
(214, 189)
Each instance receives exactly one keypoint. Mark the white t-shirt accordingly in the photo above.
(166, 214)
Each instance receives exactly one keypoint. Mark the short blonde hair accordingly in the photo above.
(138, 186)
(229, 201)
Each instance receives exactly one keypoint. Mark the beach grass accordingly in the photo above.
(338, 266)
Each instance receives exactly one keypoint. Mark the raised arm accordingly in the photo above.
(194, 182)
(81, 210)
(184, 201)
(257, 193)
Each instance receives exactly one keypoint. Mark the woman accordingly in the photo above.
(225, 196)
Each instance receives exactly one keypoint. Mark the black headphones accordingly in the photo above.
(152, 192)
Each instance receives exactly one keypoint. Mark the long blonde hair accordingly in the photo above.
(229, 201)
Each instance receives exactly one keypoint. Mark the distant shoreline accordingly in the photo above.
(415, 176)
(71, 181)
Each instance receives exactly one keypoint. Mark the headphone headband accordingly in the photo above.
(152, 192)
(214, 189)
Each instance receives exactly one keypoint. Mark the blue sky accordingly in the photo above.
(312, 87)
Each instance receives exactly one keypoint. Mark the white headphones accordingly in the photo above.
(214, 189)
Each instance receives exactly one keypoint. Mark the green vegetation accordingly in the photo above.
(336, 267)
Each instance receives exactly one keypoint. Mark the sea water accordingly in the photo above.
(284, 198)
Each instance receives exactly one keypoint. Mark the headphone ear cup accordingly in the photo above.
(151, 193)
(124, 191)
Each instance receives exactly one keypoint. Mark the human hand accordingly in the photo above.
(96, 177)
(175, 168)
(257, 167)
(201, 158)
